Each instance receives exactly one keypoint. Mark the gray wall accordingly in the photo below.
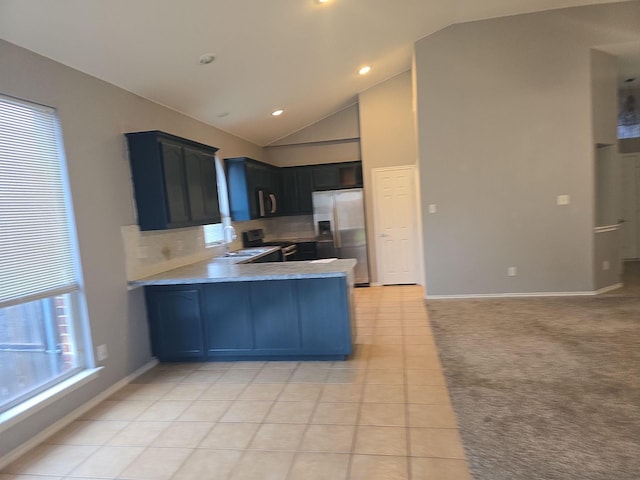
(604, 97)
(504, 127)
(387, 136)
(94, 115)
(331, 140)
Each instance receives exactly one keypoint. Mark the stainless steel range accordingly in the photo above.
(255, 238)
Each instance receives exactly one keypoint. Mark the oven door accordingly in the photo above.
(267, 203)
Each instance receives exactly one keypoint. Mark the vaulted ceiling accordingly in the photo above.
(302, 56)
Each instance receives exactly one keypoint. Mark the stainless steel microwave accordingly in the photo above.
(267, 203)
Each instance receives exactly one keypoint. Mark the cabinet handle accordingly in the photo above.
(274, 203)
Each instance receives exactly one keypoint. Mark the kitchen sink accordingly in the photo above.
(238, 254)
(247, 252)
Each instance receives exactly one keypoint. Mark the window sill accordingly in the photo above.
(29, 407)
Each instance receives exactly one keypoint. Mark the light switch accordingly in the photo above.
(563, 200)
(432, 208)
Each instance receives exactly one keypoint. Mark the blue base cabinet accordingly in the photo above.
(176, 329)
(276, 324)
(227, 310)
(258, 320)
(323, 329)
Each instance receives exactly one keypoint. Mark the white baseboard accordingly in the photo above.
(70, 417)
(524, 294)
(609, 288)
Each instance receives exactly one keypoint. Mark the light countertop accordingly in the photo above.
(221, 269)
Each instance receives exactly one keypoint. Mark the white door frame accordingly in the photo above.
(630, 248)
(417, 219)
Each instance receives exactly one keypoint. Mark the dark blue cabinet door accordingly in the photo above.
(289, 191)
(324, 315)
(227, 317)
(337, 175)
(202, 187)
(297, 185)
(275, 316)
(175, 183)
(304, 181)
(256, 179)
(175, 322)
(350, 174)
(325, 177)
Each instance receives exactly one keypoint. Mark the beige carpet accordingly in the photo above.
(545, 388)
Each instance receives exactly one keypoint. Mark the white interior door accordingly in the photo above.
(395, 219)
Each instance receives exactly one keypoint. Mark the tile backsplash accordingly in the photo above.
(290, 227)
(151, 252)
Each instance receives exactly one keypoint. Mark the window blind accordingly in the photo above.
(36, 249)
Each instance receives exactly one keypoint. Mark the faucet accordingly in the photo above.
(228, 235)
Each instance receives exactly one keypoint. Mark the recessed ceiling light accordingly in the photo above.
(322, 1)
(207, 58)
(277, 113)
(364, 70)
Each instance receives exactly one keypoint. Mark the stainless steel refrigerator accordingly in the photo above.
(338, 217)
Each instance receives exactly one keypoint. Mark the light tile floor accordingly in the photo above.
(383, 414)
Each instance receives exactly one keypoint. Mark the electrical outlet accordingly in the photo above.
(512, 271)
(433, 208)
(102, 353)
(563, 200)
(606, 265)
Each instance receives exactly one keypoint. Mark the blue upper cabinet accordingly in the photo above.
(255, 189)
(174, 181)
(333, 176)
(297, 185)
(259, 190)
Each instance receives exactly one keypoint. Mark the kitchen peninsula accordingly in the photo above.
(220, 309)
